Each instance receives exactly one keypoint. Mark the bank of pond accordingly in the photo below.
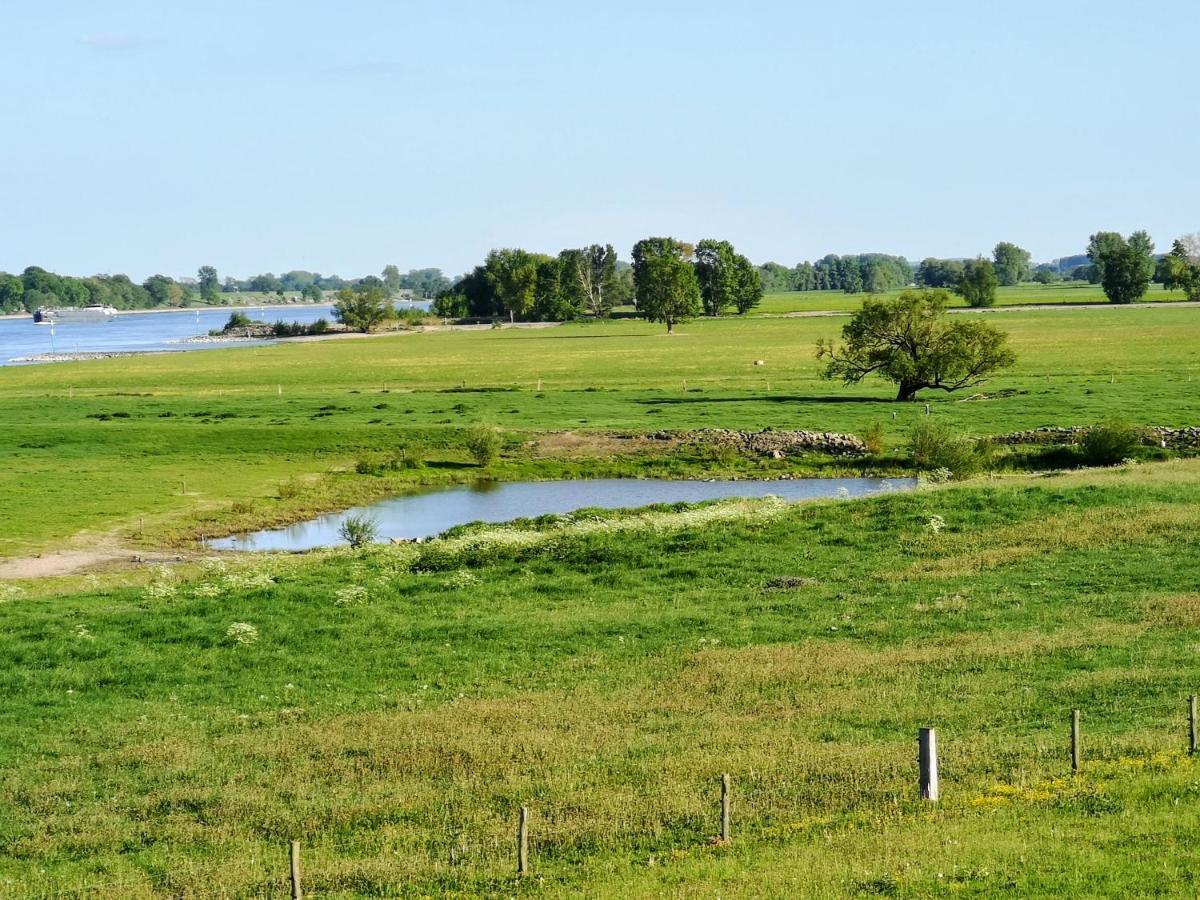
(425, 513)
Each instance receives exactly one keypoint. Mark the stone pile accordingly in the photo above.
(775, 443)
(1159, 435)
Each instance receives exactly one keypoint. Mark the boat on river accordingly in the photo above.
(45, 315)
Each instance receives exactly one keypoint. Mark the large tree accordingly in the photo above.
(728, 280)
(589, 277)
(977, 284)
(392, 279)
(665, 281)
(1125, 266)
(513, 275)
(363, 307)
(1012, 263)
(1180, 269)
(910, 341)
(210, 284)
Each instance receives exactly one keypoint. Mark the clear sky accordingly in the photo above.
(147, 136)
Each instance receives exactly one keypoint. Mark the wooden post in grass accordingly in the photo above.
(1076, 748)
(523, 841)
(1192, 724)
(927, 760)
(726, 834)
(297, 890)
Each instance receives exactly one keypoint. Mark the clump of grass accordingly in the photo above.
(872, 436)
(1110, 444)
(935, 445)
(483, 443)
(242, 633)
(359, 530)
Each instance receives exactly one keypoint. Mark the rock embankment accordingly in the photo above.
(1158, 435)
(773, 443)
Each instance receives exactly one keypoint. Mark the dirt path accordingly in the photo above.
(59, 563)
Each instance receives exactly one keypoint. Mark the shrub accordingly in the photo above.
(872, 436)
(238, 320)
(939, 445)
(410, 455)
(1109, 444)
(359, 530)
(483, 443)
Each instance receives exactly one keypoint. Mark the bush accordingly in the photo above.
(483, 443)
(358, 531)
(939, 445)
(410, 455)
(872, 436)
(1109, 444)
(238, 320)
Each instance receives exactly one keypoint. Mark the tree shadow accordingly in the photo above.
(768, 398)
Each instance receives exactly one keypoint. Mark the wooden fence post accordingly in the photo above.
(1076, 748)
(297, 890)
(927, 760)
(1192, 724)
(523, 841)
(725, 801)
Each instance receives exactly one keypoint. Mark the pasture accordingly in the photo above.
(393, 709)
(106, 447)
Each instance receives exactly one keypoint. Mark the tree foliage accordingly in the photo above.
(1125, 266)
(665, 281)
(362, 307)
(1012, 263)
(939, 273)
(727, 279)
(910, 341)
(210, 284)
(978, 282)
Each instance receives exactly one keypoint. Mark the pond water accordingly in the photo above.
(143, 331)
(429, 512)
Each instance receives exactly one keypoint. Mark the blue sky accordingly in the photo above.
(264, 136)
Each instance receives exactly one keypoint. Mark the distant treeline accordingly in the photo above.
(685, 279)
(36, 287)
(871, 272)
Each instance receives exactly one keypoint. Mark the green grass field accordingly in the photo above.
(605, 675)
(111, 446)
(168, 731)
(1061, 294)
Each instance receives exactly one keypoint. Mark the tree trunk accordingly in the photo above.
(670, 326)
(908, 392)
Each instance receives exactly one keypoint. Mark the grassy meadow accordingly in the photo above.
(112, 447)
(168, 729)
(392, 709)
(1064, 293)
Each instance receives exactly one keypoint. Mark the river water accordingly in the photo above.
(425, 513)
(141, 331)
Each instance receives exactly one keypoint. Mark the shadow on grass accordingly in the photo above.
(449, 464)
(765, 398)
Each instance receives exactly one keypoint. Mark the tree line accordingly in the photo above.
(36, 287)
(668, 281)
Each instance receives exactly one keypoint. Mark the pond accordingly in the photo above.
(429, 512)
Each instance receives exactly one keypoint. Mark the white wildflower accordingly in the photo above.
(462, 579)
(10, 592)
(352, 595)
(936, 524)
(206, 590)
(242, 633)
(82, 632)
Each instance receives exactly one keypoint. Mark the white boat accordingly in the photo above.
(50, 316)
